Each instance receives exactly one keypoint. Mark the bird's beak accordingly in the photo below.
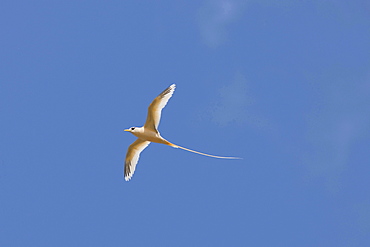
(126, 130)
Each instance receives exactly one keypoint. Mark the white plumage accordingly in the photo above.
(149, 133)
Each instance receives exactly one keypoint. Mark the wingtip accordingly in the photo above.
(127, 177)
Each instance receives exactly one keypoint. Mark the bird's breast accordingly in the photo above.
(151, 136)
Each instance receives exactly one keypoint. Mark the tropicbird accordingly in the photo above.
(149, 133)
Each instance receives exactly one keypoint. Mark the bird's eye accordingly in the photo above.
(132, 128)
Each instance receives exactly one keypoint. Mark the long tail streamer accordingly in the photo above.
(209, 155)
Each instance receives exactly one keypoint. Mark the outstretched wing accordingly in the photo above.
(132, 157)
(155, 108)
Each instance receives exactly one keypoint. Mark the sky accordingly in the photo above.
(283, 84)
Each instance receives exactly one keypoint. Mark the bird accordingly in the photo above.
(149, 133)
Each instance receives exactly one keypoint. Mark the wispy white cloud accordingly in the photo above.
(215, 16)
(236, 105)
(335, 127)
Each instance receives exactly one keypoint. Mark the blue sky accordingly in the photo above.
(283, 84)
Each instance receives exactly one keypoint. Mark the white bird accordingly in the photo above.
(149, 133)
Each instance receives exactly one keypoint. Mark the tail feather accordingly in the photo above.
(209, 155)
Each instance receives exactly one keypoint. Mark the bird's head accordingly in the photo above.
(132, 129)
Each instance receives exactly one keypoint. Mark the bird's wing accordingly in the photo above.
(132, 157)
(155, 108)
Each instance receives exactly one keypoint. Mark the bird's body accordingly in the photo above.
(149, 133)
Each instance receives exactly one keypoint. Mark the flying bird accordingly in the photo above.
(149, 133)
